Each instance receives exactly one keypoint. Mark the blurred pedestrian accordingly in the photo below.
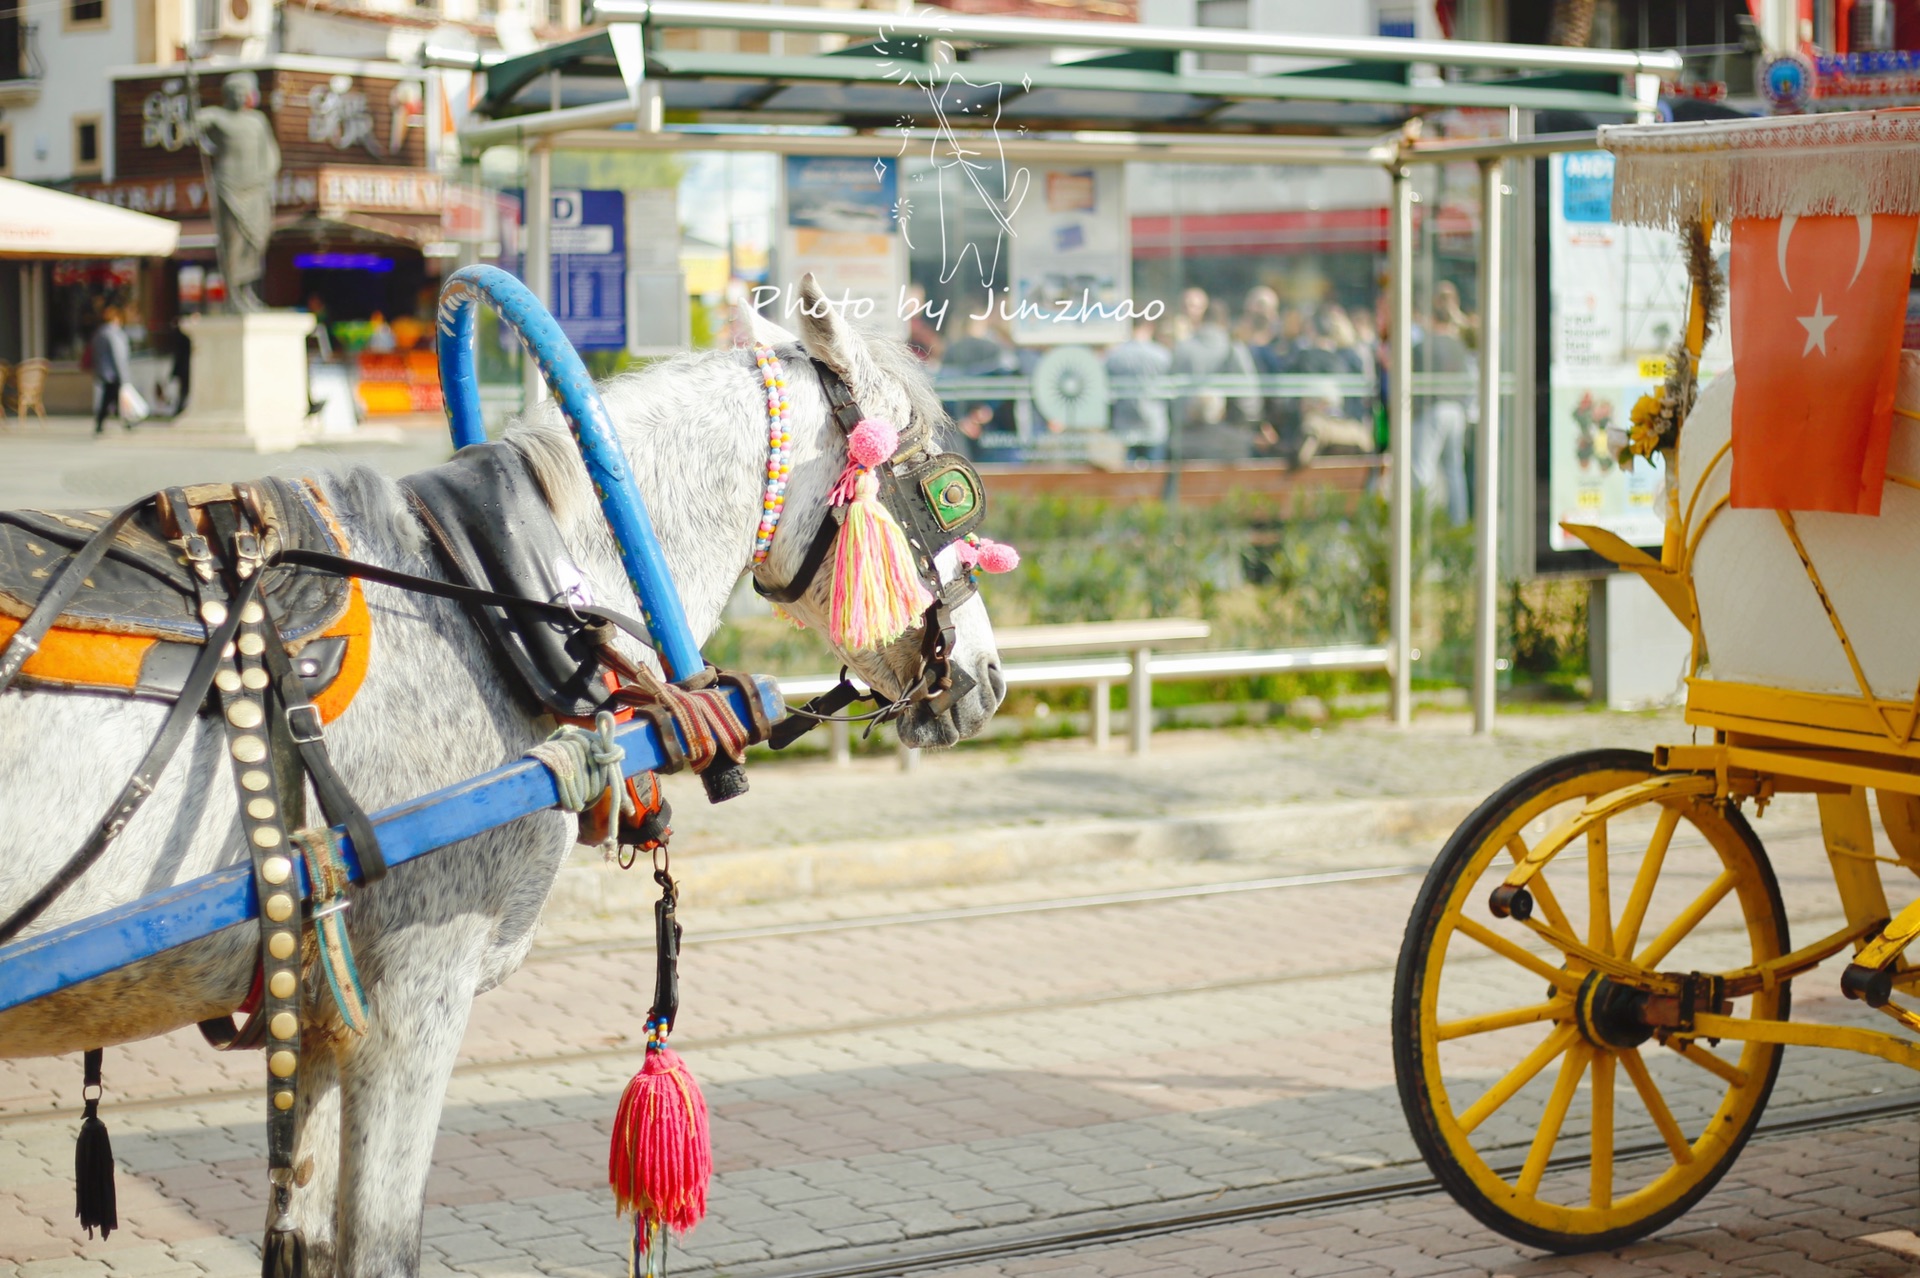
(112, 369)
(1440, 419)
(1211, 423)
(1140, 417)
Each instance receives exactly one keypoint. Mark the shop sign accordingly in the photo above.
(187, 197)
(318, 118)
(380, 190)
(1879, 73)
(166, 117)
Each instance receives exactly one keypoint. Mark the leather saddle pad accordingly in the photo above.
(134, 627)
(490, 519)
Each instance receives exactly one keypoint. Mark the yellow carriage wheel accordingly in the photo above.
(1534, 1087)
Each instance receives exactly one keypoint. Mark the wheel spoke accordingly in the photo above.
(1599, 891)
(1553, 1119)
(1601, 1194)
(1552, 1010)
(1656, 1106)
(1542, 894)
(1514, 954)
(1518, 1077)
(1628, 933)
(1711, 1062)
(1688, 919)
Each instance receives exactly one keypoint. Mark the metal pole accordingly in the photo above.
(1486, 444)
(1102, 712)
(538, 256)
(1400, 451)
(1140, 699)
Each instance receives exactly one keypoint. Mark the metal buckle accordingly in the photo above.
(303, 723)
(199, 554)
(246, 550)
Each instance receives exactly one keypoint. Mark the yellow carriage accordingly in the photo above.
(1593, 993)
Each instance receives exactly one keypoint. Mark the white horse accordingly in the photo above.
(433, 710)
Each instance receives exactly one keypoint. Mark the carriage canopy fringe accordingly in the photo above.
(1845, 163)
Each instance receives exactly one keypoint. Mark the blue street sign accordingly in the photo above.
(589, 247)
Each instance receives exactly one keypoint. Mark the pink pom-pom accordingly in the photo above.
(873, 441)
(997, 556)
(968, 553)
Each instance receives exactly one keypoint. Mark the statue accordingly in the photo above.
(238, 139)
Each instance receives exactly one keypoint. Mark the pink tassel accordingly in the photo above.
(873, 441)
(662, 1155)
(877, 594)
(987, 556)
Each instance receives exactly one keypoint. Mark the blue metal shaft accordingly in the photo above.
(96, 945)
(592, 430)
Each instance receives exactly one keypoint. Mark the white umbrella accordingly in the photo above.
(37, 222)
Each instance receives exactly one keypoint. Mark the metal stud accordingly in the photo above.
(251, 644)
(213, 612)
(260, 809)
(283, 1100)
(227, 681)
(245, 714)
(249, 749)
(283, 984)
(275, 869)
(254, 779)
(254, 677)
(251, 612)
(266, 837)
(280, 945)
(284, 1025)
(279, 907)
(281, 1064)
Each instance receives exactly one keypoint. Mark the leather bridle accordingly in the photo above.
(937, 499)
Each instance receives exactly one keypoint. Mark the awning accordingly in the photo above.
(37, 222)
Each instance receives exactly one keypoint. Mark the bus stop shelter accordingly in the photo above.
(1085, 92)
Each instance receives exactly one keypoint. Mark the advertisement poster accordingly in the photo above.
(1618, 301)
(589, 247)
(841, 225)
(1071, 260)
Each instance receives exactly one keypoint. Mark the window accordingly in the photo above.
(1231, 15)
(86, 144)
(85, 13)
(6, 150)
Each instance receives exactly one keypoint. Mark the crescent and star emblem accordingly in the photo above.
(1819, 322)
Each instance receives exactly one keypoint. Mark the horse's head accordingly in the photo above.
(945, 670)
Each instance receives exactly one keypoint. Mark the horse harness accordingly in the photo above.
(937, 499)
(194, 598)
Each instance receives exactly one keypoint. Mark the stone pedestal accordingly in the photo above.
(249, 380)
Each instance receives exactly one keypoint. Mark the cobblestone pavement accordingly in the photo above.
(992, 1070)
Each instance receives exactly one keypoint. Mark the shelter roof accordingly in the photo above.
(894, 83)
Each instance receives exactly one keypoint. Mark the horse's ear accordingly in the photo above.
(829, 338)
(765, 331)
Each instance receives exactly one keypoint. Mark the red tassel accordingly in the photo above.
(662, 1157)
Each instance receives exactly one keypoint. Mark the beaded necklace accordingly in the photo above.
(773, 498)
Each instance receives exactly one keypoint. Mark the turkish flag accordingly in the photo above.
(1819, 309)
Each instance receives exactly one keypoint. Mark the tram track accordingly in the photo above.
(987, 1011)
(1360, 1189)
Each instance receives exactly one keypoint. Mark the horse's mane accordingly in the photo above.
(662, 389)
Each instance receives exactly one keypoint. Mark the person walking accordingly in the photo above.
(112, 368)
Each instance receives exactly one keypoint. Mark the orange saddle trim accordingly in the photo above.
(96, 661)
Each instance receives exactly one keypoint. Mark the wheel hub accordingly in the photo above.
(1610, 1014)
